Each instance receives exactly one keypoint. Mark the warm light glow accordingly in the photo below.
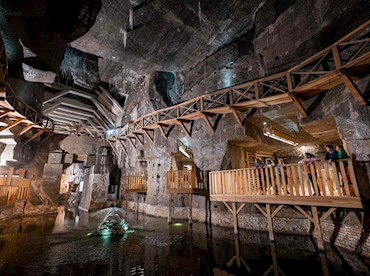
(267, 131)
(183, 151)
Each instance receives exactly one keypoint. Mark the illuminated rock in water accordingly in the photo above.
(112, 225)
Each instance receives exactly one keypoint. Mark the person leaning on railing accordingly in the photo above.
(342, 155)
(308, 160)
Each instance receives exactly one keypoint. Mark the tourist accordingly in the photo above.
(331, 154)
(280, 167)
(259, 164)
(342, 154)
(269, 163)
(309, 159)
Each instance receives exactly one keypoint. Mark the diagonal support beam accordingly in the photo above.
(122, 145)
(132, 143)
(161, 128)
(236, 116)
(141, 140)
(184, 128)
(12, 124)
(24, 130)
(297, 103)
(213, 127)
(352, 87)
(56, 96)
(46, 138)
(113, 147)
(33, 137)
(147, 133)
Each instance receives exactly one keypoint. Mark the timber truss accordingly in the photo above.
(80, 112)
(14, 111)
(344, 62)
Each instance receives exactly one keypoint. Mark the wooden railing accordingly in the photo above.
(321, 179)
(136, 184)
(186, 181)
(13, 186)
(320, 72)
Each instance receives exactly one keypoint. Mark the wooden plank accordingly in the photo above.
(283, 178)
(269, 222)
(304, 213)
(273, 180)
(261, 210)
(208, 123)
(278, 180)
(327, 179)
(335, 201)
(113, 147)
(295, 179)
(352, 87)
(336, 179)
(236, 116)
(37, 134)
(313, 176)
(316, 221)
(344, 178)
(321, 180)
(235, 218)
(277, 210)
(353, 178)
(12, 124)
(336, 56)
(327, 214)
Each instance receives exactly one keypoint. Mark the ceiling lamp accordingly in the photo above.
(278, 135)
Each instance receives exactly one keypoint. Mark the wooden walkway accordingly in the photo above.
(14, 111)
(135, 184)
(185, 182)
(13, 185)
(344, 62)
(322, 184)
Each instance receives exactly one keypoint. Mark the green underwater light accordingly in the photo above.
(178, 224)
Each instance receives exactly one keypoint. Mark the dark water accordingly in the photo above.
(36, 246)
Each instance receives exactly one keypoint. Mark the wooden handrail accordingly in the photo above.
(135, 183)
(322, 178)
(309, 77)
(186, 179)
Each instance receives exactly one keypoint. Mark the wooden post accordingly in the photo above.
(190, 210)
(269, 222)
(316, 221)
(170, 209)
(235, 217)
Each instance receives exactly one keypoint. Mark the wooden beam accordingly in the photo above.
(182, 124)
(37, 134)
(352, 87)
(130, 139)
(12, 124)
(122, 145)
(4, 113)
(146, 131)
(161, 128)
(56, 96)
(141, 141)
(162, 131)
(51, 108)
(46, 138)
(113, 147)
(24, 130)
(236, 116)
(297, 103)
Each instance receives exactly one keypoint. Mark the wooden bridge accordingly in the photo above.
(317, 185)
(186, 182)
(13, 185)
(14, 111)
(136, 184)
(344, 62)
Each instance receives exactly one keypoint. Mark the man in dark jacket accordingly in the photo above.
(331, 154)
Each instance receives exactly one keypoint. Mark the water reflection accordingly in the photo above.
(59, 245)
